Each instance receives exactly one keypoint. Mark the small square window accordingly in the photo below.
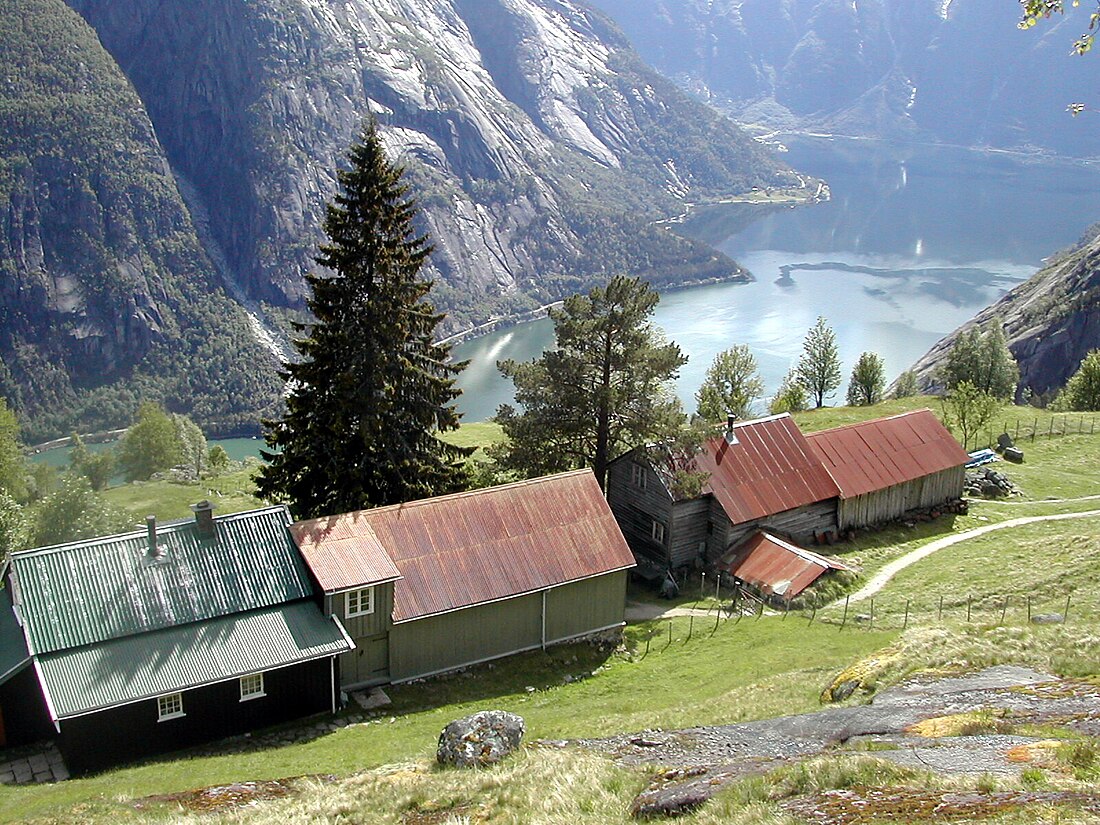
(658, 532)
(359, 602)
(170, 707)
(252, 686)
(638, 475)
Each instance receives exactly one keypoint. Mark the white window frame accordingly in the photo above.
(354, 602)
(170, 706)
(638, 475)
(252, 686)
(657, 531)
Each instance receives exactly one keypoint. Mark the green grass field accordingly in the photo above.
(739, 670)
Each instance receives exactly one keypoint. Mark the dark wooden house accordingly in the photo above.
(760, 475)
(890, 466)
(129, 645)
(434, 585)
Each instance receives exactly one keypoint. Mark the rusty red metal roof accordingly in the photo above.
(769, 469)
(343, 552)
(776, 566)
(874, 455)
(485, 545)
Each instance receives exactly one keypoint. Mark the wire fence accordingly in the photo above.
(1029, 428)
(727, 611)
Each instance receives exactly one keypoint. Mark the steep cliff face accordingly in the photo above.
(103, 284)
(540, 146)
(953, 70)
(1051, 321)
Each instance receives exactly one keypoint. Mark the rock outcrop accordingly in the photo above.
(1051, 321)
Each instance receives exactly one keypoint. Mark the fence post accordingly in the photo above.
(1017, 438)
(648, 639)
(669, 635)
(844, 619)
(905, 623)
(1065, 613)
(813, 615)
(1029, 609)
(939, 613)
(1050, 430)
(1035, 428)
(1004, 609)
(968, 601)
(691, 625)
(786, 609)
(871, 624)
(703, 585)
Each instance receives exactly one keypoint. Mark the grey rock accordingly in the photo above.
(480, 739)
(1048, 618)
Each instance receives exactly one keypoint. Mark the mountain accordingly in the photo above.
(541, 148)
(957, 71)
(105, 291)
(164, 169)
(1051, 321)
(165, 166)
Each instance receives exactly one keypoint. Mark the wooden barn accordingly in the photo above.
(890, 466)
(130, 645)
(760, 475)
(434, 585)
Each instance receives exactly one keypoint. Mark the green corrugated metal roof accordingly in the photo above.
(13, 646)
(91, 591)
(139, 667)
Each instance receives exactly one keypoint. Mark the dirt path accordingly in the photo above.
(879, 580)
(647, 611)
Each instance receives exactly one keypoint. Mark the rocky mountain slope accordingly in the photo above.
(105, 291)
(1051, 321)
(151, 190)
(541, 148)
(957, 71)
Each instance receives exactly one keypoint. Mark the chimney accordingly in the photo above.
(204, 519)
(155, 551)
(731, 436)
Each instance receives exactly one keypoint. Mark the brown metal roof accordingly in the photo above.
(874, 455)
(775, 566)
(770, 469)
(343, 552)
(469, 548)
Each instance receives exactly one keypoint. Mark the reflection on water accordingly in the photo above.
(913, 244)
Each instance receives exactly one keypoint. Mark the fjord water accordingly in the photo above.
(915, 240)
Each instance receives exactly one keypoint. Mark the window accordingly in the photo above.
(638, 475)
(360, 602)
(252, 686)
(658, 532)
(170, 707)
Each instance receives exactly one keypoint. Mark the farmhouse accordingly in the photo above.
(769, 491)
(130, 645)
(890, 466)
(760, 474)
(433, 585)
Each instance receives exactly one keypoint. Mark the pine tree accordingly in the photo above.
(819, 367)
(371, 392)
(606, 387)
(868, 380)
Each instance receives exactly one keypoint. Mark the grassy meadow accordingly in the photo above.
(668, 674)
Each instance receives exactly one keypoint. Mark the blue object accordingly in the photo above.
(980, 457)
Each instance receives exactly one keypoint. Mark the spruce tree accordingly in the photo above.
(371, 392)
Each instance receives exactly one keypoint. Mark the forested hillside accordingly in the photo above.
(105, 292)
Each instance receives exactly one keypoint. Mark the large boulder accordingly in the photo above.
(481, 739)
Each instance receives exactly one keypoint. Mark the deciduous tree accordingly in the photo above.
(791, 395)
(906, 385)
(150, 445)
(868, 380)
(731, 385)
(1082, 391)
(819, 367)
(13, 466)
(371, 393)
(605, 388)
(968, 409)
(982, 358)
(74, 511)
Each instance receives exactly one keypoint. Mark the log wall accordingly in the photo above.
(890, 503)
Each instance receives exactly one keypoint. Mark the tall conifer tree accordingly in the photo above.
(371, 392)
